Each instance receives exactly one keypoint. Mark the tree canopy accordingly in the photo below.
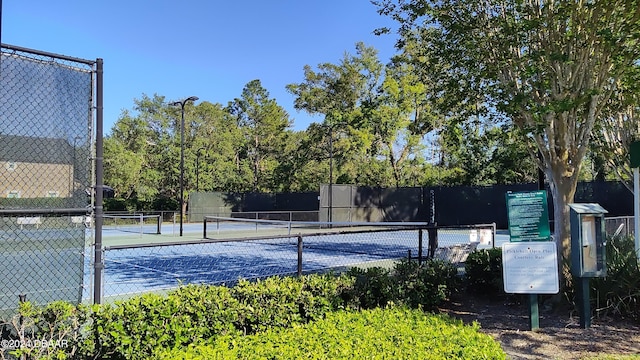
(549, 68)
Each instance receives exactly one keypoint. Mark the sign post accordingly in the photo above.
(634, 152)
(526, 265)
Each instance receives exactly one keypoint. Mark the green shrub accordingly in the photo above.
(395, 333)
(423, 285)
(619, 292)
(483, 272)
(325, 293)
(141, 326)
(373, 287)
(426, 285)
(288, 301)
(138, 327)
(55, 331)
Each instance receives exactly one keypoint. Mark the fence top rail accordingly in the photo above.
(270, 211)
(28, 212)
(473, 226)
(48, 54)
(341, 223)
(136, 216)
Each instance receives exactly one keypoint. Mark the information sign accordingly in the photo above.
(528, 216)
(530, 268)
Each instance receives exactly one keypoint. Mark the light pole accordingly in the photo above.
(182, 104)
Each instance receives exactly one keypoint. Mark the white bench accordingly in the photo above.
(77, 220)
(29, 220)
(455, 254)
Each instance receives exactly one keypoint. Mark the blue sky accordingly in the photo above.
(209, 49)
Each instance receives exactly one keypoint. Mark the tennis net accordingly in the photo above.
(137, 223)
(217, 227)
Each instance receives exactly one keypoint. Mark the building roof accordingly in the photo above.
(40, 150)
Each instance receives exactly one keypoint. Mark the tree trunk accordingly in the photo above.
(394, 165)
(563, 190)
(184, 210)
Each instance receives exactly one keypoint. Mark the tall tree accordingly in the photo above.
(550, 67)
(335, 91)
(301, 164)
(130, 164)
(480, 153)
(619, 128)
(264, 124)
(401, 115)
(214, 151)
(374, 117)
(142, 153)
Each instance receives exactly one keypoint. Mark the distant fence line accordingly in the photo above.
(456, 205)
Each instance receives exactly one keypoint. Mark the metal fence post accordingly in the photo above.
(98, 263)
(299, 255)
(419, 246)
(433, 240)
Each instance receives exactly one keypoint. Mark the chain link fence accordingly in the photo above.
(225, 249)
(619, 226)
(46, 182)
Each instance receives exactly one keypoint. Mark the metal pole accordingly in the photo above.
(204, 228)
(0, 35)
(198, 171)
(330, 217)
(433, 206)
(584, 307)
(432, 232)
(299, 255)
(182, 167)
(636, 210)
(419, 246)
(182, 104)
(534, 314)
(98, 264)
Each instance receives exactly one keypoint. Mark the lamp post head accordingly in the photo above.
(183, 102)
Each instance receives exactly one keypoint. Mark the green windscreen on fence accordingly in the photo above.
(46, 117)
